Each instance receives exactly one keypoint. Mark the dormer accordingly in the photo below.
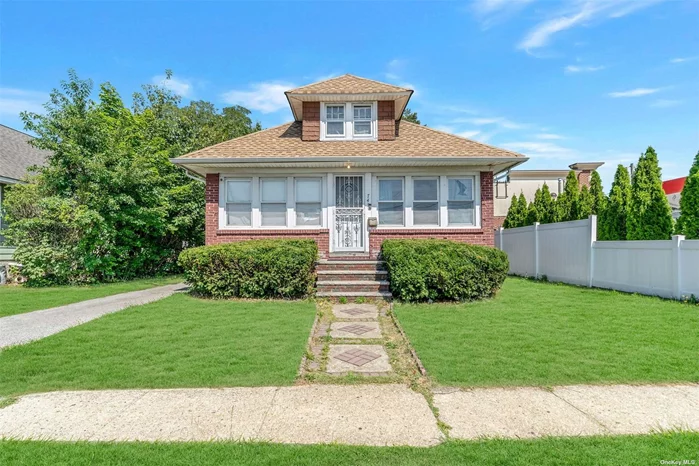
(348, 108)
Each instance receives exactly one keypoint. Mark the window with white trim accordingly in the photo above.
(308, 201)
(362, 120)
(426, 201)
(460, 201)
(391, 211)
(239, 202)
(273, 201)
(335, 121)
(348, 121)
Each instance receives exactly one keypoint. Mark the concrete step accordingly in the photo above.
(354, 285)
(352, 275)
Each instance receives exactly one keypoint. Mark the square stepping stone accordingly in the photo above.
(357, 358)
(355, 330)
(355, 311)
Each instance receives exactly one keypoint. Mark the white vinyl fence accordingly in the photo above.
(569, 252)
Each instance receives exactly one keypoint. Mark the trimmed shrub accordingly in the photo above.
(252, 269)
(442, 270)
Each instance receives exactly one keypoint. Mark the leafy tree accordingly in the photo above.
(599, 199)
(612, 221)
(517, 213)
(567, 202)
(410, 116)
(532, 214)
(688, 223)
(545, 205)
(109, 204)
(585, 203)
(650, 216)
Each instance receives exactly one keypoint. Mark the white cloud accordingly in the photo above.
(665, 103)
(493, 11)
(683, 59)
(576, 13)
(468, 134)
(638, 92)
(180, 87)
(266, 97)
(549, 136)
(13, 101)
(582, 69)
(485, 121)
(539, 149)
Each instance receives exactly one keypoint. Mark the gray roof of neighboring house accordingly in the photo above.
(17, 155)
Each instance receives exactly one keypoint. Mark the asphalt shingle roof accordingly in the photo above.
(285, 141)
(347, 84)
(17, 155)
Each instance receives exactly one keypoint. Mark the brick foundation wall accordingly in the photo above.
(386, 120)
(320, 236)
(310, 127)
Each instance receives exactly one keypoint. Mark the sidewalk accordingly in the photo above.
(349, 414)
(23, 328)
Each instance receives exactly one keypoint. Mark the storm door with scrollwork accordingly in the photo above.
(349, 213)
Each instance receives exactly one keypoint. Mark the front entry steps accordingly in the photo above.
(352, 278)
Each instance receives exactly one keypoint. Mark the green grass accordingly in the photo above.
(21, 299)
(536, 333)
(178, 341)
(628, 450)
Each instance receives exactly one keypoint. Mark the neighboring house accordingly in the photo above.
(528, 181)
(673, 191)
(349, 174)
(16, 157)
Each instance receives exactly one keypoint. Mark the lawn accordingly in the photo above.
(536, 333)
(549, 451)
(21, 299)
(178, 341)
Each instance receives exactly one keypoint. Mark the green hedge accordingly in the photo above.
(439, 270)
(252, 269)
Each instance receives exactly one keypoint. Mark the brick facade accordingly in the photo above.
(310, 127)
(483, 236)
(584, 178)
(386, 120)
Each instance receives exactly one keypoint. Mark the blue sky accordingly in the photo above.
(560, 81)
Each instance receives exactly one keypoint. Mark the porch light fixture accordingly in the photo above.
(349, 165)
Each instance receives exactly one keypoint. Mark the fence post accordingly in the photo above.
(500, 230)
(536, 250)
(677, 266)
(591, 257)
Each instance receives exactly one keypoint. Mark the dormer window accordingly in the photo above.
(348, 121)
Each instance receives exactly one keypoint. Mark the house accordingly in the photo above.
(673, 191)
(514, 182)
(349, 174)
(17, 155)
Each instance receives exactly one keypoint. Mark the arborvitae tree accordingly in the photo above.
(585, 203)
(650, 216)
(599, 199)
(688, 223)
(545, 205)
(567, 202)
(612, 221)
(512, 217)
(532, 214)
(523, 210)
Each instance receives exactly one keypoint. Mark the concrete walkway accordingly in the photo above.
(349, 414)
(23, 328)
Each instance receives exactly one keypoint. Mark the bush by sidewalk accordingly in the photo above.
(252, 269)
(442, 270)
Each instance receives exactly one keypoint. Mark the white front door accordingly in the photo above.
(349, 222)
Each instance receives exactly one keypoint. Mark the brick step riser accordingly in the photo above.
(363, 276)
(344, 288)
(369, 267)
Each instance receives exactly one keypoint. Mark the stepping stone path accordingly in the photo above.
(356, 343)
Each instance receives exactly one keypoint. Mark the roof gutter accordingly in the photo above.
(290, 160)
